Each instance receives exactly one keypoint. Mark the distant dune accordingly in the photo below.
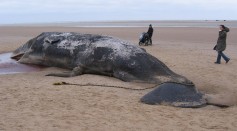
(162, 23)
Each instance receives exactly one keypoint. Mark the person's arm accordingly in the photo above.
(148, 30)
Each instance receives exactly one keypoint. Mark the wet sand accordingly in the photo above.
(30, 101)
(10, 66)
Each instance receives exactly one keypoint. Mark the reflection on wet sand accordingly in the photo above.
(10, 66)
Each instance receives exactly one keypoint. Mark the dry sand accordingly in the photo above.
(29, 101)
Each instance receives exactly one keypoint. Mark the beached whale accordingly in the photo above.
(106, 55)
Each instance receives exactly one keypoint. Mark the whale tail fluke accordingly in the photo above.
(174, 94)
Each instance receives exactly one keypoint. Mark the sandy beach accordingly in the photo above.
(30, 101)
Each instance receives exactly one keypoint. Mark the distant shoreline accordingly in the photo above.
(131, 24)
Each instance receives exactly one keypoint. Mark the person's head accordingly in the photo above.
(222, 27)
(150, 25)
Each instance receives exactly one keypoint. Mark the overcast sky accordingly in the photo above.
(37, 11)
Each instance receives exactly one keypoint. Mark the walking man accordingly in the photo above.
(150, 33)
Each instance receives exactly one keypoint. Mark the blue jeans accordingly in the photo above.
(221, 54)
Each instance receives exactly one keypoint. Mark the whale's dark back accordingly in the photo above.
(97, 53)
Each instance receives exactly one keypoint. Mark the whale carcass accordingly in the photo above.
(110, 56)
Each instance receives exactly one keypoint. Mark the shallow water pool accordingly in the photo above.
(11, 66)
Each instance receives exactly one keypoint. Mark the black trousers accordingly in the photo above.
(150, 39)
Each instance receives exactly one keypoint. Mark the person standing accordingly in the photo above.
(150, 33)
(221, 44)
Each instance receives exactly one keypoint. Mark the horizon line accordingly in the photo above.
(110, 21)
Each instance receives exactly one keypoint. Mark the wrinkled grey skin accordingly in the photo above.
(96, 54)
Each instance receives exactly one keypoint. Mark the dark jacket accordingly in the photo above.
(150, 32)
(221, 42)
